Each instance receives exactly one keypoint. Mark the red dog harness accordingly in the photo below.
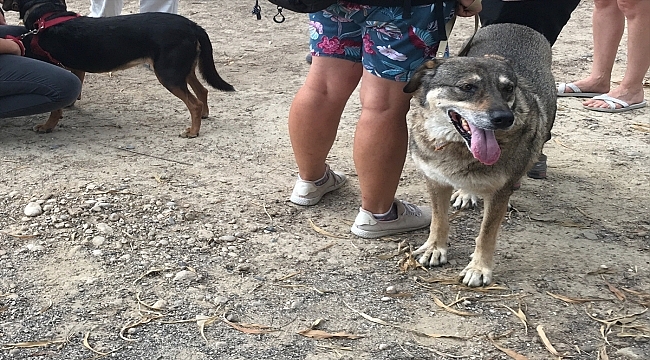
(42, 24)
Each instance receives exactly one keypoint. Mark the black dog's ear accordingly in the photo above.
(10, 5)
(6, 5)
(416, 79)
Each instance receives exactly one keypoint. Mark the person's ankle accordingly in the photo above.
(389, 215)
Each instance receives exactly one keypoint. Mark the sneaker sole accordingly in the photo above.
(313, 201)
(377, 234)
(304, 201)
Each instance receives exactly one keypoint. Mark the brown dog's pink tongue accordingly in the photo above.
(484, 145)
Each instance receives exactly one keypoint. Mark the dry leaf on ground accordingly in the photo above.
(320, 334)
(571, 300)
(546, 341)
(513, 354)
(251, 329)
(450, 309)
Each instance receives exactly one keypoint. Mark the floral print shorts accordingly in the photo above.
(387, 44)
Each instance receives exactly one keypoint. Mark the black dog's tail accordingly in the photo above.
(206, 63)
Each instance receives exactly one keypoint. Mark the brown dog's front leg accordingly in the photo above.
(51, 122)
(434, 250)
(479, 270)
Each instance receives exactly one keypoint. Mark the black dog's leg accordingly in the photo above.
(200, 91)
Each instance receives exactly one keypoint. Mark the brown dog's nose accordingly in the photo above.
(501, 119)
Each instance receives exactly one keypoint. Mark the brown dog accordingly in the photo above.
(172, 44)
(478, 123)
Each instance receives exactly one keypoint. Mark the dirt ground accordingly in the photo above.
(152, 246)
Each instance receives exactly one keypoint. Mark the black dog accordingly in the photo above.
(172, 44)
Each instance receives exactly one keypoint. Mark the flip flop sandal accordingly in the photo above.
(575, 91)
(611, 103)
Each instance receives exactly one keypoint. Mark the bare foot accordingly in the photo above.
(590, 86)
(630, 96)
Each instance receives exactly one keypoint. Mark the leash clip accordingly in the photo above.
(30, 32)
(279, 17)
(257, 10)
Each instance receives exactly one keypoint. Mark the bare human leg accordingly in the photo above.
(630, 89)
(312, 126)
(380, 141)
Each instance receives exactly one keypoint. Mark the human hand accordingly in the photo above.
(8, 46)
(468, 8)
(2, 16)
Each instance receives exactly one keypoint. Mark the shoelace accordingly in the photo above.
(411, 209)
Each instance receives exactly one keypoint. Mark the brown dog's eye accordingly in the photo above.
(467, 87)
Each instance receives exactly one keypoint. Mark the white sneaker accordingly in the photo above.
(309, 193)
(409, 218)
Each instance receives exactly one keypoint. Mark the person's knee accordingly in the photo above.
(632, 8)
(68, 89)
(384, 96)
(601, 4)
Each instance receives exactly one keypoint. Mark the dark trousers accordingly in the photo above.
(29, 86)
(546, 16)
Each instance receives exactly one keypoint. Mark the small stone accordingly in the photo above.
(227, 238)
(296, 304)
(385, 299)
(35, 248)
(159, 305)
(132, 330)
(391, 290)
(220, 300)
(220, 345)
(588, 348)
(33, 209)
(98, 241)
(114, 217)
(243, 268)
(383, 347)
(104, 228)
(590, 235)
(630, 353)
(96, 208)
(232, 317)
(97, 252)
(204, 234)
(185, 275)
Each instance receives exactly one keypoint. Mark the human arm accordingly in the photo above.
(468, 7)
(11, 46)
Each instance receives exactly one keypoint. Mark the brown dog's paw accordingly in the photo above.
(431, 255)
(42, 129)
(475, 275)
(188, 134)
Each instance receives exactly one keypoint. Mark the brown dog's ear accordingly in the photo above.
(416, 79)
